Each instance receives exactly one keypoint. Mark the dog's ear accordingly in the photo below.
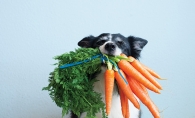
(137, 44)
(86, 42)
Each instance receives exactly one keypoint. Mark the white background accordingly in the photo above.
(32, 32)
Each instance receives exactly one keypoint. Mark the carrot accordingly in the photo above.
(123, 104)
(136, 64)
(152, 72)
(131, 71)
(137, 90)
(125, 88)
(143, 88)
(109, 85)
(127, 115)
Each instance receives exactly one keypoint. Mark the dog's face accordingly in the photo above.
(115, 44)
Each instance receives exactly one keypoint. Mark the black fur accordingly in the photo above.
(139, 42)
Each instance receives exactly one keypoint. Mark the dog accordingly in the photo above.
(113, 44)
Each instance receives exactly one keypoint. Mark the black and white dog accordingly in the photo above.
(113, 44)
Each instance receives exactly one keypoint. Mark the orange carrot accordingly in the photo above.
(123, 104)
(109, 85)
(125, 87)
(127, 115)
(137, 90)
(152, 72)
(136, 64)
(131, 71)
(143, 88)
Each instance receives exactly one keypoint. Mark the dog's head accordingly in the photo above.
(115, 44)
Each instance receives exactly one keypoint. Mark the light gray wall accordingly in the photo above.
(34, 31)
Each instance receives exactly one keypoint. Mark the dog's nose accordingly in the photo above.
(110, 47)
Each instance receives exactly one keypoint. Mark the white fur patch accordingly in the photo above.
(104, 38)
(110, 37)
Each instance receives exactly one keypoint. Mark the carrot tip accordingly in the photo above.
(161, 78)
(160, 87)
(137, 106)
(158, 92)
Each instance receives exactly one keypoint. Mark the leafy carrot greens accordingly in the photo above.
(72, 88)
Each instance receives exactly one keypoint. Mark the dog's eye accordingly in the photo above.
(101, 42)
(120, 42)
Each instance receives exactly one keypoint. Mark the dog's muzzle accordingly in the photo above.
(110, 47)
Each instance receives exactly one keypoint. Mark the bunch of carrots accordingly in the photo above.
(133, 78)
